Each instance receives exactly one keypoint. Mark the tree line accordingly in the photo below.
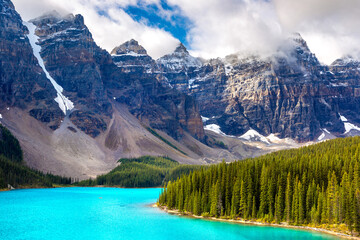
(318, 185)
(145, 171)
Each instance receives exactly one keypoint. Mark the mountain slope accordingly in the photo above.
(12, 168)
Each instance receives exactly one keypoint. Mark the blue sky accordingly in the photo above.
(177, 24)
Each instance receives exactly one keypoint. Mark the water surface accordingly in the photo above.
(113, 213)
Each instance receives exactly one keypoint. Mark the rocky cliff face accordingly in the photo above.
(157, 105)
(23, 83)
(92, 79)
(72, 58)
(178, 68)
(289, 94)
(131, 57)
(76, 109)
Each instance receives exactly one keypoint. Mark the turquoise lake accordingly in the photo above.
(113, 213)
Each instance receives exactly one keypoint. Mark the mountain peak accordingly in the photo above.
(128, 47)
(48, 15)
(299, 40)
(181, 49)
(347, 60)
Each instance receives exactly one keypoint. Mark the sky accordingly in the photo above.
(215, 28)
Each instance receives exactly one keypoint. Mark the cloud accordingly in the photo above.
(221, 27)
(108, 23)
(329, 26)
(216, 28)
(225, 27)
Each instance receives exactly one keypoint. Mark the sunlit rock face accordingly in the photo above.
(92, 79)
(289, 94)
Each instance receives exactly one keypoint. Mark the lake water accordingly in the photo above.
(112, 213)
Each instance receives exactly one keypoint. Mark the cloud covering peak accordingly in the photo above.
(215, 28)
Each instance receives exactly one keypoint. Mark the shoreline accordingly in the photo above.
(248, 222)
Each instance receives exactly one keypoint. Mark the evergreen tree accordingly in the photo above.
(312, 185)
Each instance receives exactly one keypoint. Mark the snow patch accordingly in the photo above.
(338, 84)
(342, 118)
(64, 103)
(325, 103)
(131, 53)
(228, 69)
(325, 135)
(204, 119)
(348, 126)
(321, 137)
(253, 135)
(214, 128)
(273, 138)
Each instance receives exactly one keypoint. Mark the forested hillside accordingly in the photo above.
(315, 185)
(14, 172)
(146, 171)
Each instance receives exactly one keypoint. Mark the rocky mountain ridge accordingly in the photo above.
(76, 109)
(289, 95)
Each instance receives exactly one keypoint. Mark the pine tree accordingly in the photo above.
(235, 201)
(357, 210)
(288, 200)
(243, 197)
(214, 200)
(279, 205)
(263, 209)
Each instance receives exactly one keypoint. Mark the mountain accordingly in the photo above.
(76, 109)
(287, 95)
(23, 83)
(178, 68)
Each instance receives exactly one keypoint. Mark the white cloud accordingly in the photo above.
(329, 26)
(107, 32)
(221, 27)
(225, 27)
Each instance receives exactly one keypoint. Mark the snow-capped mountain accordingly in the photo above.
(132, 57)
(179, 60)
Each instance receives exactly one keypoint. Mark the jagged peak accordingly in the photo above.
(345, 61)
(296, 35)
(181, 49)
(298, 40)
(131, 46)
(48, 15)
(55, 16)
